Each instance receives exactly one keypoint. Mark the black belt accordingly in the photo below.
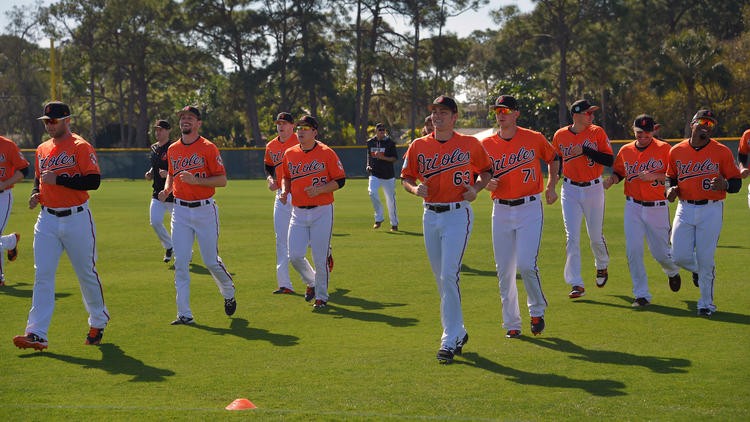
(648, 203)
(195, 204)
(443, 208)
(514, 202)
(701, 201)
(62, 213)
(582, 184)
(308, 207)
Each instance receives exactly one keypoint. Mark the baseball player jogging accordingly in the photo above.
(381, 154)
(742, 153)
(66, 168)
(158, 174)
(13, 168)
(195, 171)
(584, 149)
(517, 217)
(311, 172)
(282, 213)
(700, 173)
(440, 168)
(642, 164)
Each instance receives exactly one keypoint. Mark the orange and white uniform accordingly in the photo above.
(646, 211)
(312, 217)
(582, 195)
(11, 161)
(196, 216)
(743, 151)
(517, 218)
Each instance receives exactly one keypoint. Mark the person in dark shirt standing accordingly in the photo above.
(381, 154)
(158, 175)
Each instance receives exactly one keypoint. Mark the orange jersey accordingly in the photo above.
(275, 153)
(315, 167)
(695, 169)
(11, 159)
(445, 166)
(201, 159)
(630, 162)
(580, 168)
(515, 163)
(72, 156)
(744, 147)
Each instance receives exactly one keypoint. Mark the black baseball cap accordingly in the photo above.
(505, 101)
(190, 109)
(308, 121)
(163, 124)
(645, 123)
(582, 106)
(284, 116)
(380, 126)
(705, 114)
(445, 102)
(55, 110)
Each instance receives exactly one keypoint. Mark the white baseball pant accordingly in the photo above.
(282, 215)
(314, 227)
(76, 235)
(156, 219)
(446, 235)
(389, 189)
(653, 224)
(695, 235)
(579, 202)
(201, 223)
(516, 236)
(8, 241)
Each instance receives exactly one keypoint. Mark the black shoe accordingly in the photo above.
(319, 305)
(640, 302)
(394, 228)
(283, 291)
(183, 320)
(230, 305)
(601, 277)
(537, 325)
(95, 336)
(513, 334)
(705, 312)
(309, 293)
(377, 224)
(695, 279)
(168, 255)
(675, 282)
(445, 356)
(461, 344)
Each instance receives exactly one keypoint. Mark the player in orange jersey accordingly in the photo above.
(585, 150)
(742, 153)
(195, 171)
(66, 169)
(701, 171)
(282, 213)
(311, 172)
(447, 169)
(642, 164)
(13, 168)
(517, 217)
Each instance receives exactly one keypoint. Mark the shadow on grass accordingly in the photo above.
(114, 361)
(731, 247)
(13, 290)
(603, 388)
(339, 297)
(660, 365)
(691, 310)
(198, 269)
(404, 233)
(473, 271)
(240, 327)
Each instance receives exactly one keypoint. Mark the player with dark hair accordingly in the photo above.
(701, 172)
(158, 174)
(381, 154)
(13, 168)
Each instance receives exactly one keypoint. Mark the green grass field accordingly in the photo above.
(371, 356)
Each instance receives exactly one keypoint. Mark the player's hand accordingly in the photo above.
(48, 177)
(470, 193)
(312, 191)
(672, 193)
(608, 182)
(550, 195)
(149, 175)
(283, 196)
(576, 150)
(272, 185)
(719, 183)
(33, 201)
(745, 172)
(189, 178)
(368, 169)
(491, 185)
(421, 190)
(163, 173)
(162, 195)
(647, 176)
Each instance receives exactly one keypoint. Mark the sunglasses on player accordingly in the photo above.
(504, 110)
(53, 121)
(304, 127)
(706, 122)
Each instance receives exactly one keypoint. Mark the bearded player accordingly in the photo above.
(701, 172)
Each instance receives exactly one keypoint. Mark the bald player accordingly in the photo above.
(440, 168)
(700, 173)
(642, 164)
(13, 168)
(195, 171)
(517, 218)
(585, 149)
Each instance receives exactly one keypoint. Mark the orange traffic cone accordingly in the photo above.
(241, 404)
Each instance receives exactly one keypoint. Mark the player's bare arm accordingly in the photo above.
(553, 172)
(315, 190)
(17, 177)
(272, 184)
(286, 186)
(611, 180)
(48, 178)
(672, 190)
(413, 188)
(217, 181)
(470, 193)
(164, 194)
(719, 183)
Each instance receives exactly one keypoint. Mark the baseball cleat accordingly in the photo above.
(183, 320)
(319, 305)
(705, 312)
(377, 224)
(230, 305)
(695, 279)
(577, 292)
(309, 293)
(30, 341)
(394, 228)
(95, 336)
(601, 277)
(13, 253)
(168, 255)
(445, 356)
(461, 344)
(283, 291)
(537, 325)
(2, 282)
(675, 282)
(513, 334)
(640, 302)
